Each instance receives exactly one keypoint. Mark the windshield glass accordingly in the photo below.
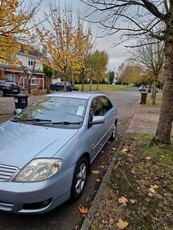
(55, 110)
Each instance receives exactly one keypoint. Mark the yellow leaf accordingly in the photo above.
(155, 186)
(122, 224)
(122, 200)
(83, 210)
(152, 190)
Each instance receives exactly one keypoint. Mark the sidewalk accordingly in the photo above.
(145, 120)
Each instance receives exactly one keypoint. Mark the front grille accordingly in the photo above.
(7, 172)
(6, 206)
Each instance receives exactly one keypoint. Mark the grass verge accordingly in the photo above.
(103, 87)
(139, 194)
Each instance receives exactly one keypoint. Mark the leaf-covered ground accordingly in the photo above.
(139, 194)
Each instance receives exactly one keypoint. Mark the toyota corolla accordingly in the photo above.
(46, 150)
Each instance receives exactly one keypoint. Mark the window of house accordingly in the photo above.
(31, 61)
(12, 77)
(34, 81)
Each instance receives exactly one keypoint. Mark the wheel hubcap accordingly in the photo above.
(114, 132)
(81, 178)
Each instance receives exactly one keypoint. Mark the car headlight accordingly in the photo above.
(39, 170)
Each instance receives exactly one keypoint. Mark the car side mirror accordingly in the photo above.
(98, 120)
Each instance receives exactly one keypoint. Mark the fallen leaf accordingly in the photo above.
(148, 158)
(123, 200)
(152, 190)
(126, 149)
(122, 224)
(95, 172)
(150, 194)
(113, 149)
(155, 186)
(111, 221)
(133, 201)
(83, 210)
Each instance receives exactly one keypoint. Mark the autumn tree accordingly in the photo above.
(14, 20)
(151, 58)
(136, 18)
(129, 73)
(83, 45)
(48, 74)
(98, 65)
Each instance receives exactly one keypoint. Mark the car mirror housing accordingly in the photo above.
(98, 120)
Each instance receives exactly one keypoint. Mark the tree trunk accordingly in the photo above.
(82, 85)
(154, 93)
(47, 84)
(91, 84)
(163, 132)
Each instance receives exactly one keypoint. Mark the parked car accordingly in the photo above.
(60, 86)
(142, 88)
(52, 144)
(8, 87)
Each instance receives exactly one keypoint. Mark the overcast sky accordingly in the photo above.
(117, 54)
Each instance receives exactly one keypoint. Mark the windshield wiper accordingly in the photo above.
(37, 120)
(32, 119)
(66, 123)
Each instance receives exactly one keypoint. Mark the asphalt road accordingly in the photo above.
(68, 216)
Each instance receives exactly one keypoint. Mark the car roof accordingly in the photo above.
(82, 95)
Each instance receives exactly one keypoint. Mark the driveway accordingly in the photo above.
(68, 216)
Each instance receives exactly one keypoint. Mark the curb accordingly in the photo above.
(90, 216)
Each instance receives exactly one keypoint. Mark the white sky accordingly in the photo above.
(117, 54)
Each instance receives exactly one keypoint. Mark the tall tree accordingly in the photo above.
(98, 65)
(14, 20)
(151, 58)
(139, 17)
(111, 75)
(83, 45)
(57, 37)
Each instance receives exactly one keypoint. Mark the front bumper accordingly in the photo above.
(38, 197)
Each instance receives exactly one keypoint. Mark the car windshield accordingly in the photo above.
(55, 110)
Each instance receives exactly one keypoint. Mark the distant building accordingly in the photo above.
(17, 74)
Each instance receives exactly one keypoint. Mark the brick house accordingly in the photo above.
(17, 74)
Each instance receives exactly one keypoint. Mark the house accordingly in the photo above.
(18, 73)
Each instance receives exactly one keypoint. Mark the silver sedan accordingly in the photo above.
(46, 150)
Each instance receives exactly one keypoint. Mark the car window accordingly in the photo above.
(96, 107)
(106, 104)
(56, 109)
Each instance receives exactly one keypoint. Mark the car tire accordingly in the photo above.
(79, 178)
(1, 93)
(114, 132)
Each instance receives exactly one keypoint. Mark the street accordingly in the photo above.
(68, 216)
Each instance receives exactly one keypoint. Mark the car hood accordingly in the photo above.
(20, 143)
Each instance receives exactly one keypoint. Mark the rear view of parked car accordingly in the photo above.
(52, 145)
(59, 86)
(8, 87)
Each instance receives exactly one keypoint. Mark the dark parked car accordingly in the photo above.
(60, 86)
(8, 87)
(46, 150)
